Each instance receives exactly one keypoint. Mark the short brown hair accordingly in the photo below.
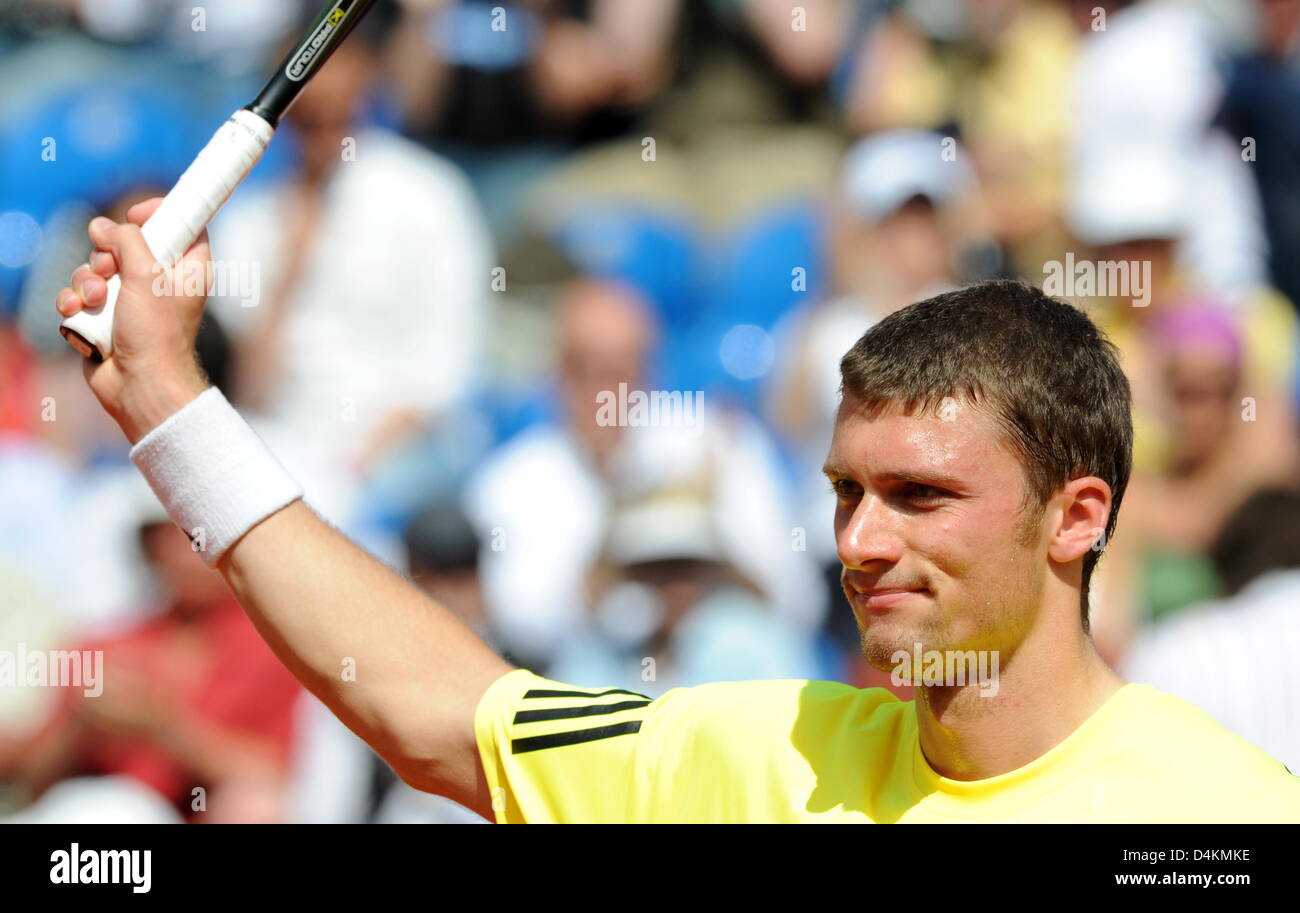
(1044, 371)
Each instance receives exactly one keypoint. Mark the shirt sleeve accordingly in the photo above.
(555, 753)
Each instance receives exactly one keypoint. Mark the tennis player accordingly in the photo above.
(979, 459)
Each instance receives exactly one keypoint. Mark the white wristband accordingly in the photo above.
(214, 475)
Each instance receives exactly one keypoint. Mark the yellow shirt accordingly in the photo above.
(801, 751)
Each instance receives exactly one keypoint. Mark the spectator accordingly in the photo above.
(65, 478)
(541, 502)
(1172, 517)
(997, 74)
(442, 550)
(1261, 111)
(897, 236)
(671, 611)
(1136, 211)
(505, 89)
(1235, 657)
(192, 698)
(1144, 93)
(373, 267)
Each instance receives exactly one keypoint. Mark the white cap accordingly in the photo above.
(1143, 91)
(1131, 192)
(666, 526)
(883, 171)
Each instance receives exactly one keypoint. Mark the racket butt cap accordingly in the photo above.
(81, 344)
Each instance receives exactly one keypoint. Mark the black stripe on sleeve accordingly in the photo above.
(568, 713)
(541, 692)
(560, 739)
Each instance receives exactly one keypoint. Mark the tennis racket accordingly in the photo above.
(219, 168)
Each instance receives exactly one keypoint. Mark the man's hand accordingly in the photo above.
(153, 370)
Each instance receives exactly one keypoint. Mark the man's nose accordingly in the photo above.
(868, 535)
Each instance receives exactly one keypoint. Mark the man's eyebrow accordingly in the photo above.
(832, 470)
(928, 478)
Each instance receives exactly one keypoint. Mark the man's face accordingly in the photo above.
(931, 504)
(1201, 384)
(605, 340)
(323, 112)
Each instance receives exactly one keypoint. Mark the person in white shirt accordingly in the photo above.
(1236, 658)
(356, 290)
(543, 500)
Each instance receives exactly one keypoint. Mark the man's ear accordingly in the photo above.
(1083, 508)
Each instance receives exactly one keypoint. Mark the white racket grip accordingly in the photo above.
(181, 217)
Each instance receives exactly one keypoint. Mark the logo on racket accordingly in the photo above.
(301, 62)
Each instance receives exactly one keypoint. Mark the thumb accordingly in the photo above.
(140, 212)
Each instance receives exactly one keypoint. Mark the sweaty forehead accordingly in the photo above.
(957, 442)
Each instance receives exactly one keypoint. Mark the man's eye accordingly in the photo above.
(918, 492)
(845, 489)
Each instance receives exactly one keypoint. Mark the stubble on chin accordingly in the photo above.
(884, 639)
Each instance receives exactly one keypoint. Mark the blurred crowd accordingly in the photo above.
(482, 219)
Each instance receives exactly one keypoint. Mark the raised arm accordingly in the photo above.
(399, 670)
